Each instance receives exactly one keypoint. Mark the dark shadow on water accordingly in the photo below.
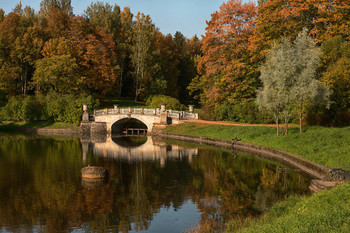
(129, 141)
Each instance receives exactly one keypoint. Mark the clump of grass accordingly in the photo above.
(327, 146)
(327, 211)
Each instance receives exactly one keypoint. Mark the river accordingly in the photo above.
(154, 185)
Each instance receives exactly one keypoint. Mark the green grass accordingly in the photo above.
(327, 211)
(327, 146)
(12, 125)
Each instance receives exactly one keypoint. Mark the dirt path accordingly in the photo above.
(236, 124)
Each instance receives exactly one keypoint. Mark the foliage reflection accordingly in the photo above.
(41, 186)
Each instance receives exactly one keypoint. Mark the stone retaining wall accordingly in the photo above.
(59, 132)
(313, 169)
(87, 128)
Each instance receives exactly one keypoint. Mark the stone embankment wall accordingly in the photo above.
(312, 169)
(58, 132)
(87, 128)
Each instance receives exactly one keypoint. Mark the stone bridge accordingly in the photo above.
(117, 120)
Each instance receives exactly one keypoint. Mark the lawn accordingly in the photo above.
(324, 145)
(327, 211)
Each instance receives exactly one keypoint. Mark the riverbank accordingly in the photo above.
(326, 211)
(326, 146)
(40, 127)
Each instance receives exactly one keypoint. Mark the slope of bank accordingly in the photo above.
(327, 211)
(42, 127)
(329, 147)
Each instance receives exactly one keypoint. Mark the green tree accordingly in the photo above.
(288, 78)
(47, 6)
(306, 88)
(276, 79)
(336, 64)
(185, 66)
(104, 16)
(144, 31)
(124, 47)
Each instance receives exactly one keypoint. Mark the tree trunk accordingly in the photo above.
(25, 80)
(137, 80)
(121, 79)
(301, 116)
(277, 124)
(286, 122)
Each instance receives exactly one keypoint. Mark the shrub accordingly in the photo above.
(53, 107)
(246, 112)
(68, 108)
(207, 113)
(13, 108)
(33, 108)
(171, 103)
(2, 98)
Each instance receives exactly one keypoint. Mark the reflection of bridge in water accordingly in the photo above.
(138, 149)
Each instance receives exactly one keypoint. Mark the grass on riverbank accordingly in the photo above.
(13, 125)
(327, 146)
(327, 211)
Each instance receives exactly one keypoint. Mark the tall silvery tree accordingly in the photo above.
(277, 78)
(288, 78)
(306, 88)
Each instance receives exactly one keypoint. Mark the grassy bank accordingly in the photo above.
(327, 146)
(327, 211)
(13, 125)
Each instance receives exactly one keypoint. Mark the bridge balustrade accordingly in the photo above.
(146, 111)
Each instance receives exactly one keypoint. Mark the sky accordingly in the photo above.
(186, 16)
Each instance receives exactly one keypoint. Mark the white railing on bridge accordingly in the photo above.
(146, 111)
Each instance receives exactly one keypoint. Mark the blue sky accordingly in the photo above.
(186, 16)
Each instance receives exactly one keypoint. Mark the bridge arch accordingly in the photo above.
(117, 126)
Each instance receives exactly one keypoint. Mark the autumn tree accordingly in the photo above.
(96, 57)
(332, 18)
(278, 19)
(58, 69)
(336, 64)
(226, 73)
(21, 45)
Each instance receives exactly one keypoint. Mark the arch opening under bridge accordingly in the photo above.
(129, 126)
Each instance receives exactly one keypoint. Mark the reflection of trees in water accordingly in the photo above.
(245, 187)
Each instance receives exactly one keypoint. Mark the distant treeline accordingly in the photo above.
(107, 52)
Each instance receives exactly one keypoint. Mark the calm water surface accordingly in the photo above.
(154, 185)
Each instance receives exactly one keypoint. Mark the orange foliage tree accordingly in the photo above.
(225, 68)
